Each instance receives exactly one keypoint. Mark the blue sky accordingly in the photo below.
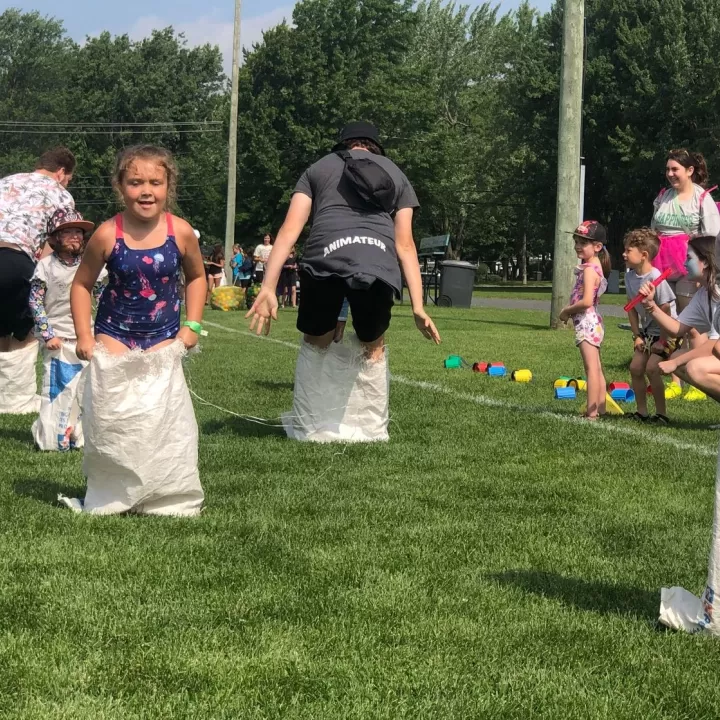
(201, 20)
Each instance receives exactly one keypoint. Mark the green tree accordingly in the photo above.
(34, 56)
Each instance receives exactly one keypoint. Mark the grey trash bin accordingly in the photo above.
(457, 279)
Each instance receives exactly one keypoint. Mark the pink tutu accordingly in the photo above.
(672, 254)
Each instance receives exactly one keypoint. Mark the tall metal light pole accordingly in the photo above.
(569, 138)
(232, 147)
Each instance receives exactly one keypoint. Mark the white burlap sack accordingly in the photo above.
(680, 609)
(59, 426)
(18, 381)
(141, 437)
(339, 395)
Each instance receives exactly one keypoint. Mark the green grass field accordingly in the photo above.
(535, 292)
(497, 559)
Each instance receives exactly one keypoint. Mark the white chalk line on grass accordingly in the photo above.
(610, 427)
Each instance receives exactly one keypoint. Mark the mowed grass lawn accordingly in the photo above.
(536, 292)
(496, 559)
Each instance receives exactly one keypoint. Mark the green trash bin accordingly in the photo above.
(457, 279)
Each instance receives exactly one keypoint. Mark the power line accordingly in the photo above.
(31, 123)
(105, 132)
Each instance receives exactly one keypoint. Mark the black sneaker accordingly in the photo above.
(659, 419)
(637, 416)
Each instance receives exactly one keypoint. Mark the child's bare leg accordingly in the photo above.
(320, 341)
(637, 371)
(113, 346)
(595, 382)
(704, 374)
(374, 350)
(656, 383)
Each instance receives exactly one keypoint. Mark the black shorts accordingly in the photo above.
(673, 344)
(321, 300)
(16, 271)
(288, 280)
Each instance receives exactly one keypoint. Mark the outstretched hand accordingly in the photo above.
(426, 326)
(263, 311)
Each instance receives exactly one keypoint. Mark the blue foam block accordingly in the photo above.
(623, 395)
(565, 393)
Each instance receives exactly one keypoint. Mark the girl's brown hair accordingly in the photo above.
(154, 153)
(218, 255)
(603, 255)
(704, 247)
(692, 160)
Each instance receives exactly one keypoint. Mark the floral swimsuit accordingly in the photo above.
(141, 306)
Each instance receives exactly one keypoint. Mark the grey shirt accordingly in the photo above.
(347, 238)
(663, 295)
(671, 217)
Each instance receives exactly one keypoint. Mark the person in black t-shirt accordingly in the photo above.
(354, 250)
(361, 236)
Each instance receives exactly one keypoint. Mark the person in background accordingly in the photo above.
(696, 320)
(214, 270)
(641, 247)
(590, 284)
(683, 210)
(288, 281)
(236, 263)
(261, 255)
(50, 306)
(27, 203)
(246, 269)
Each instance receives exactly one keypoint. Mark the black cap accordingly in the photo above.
(592, 231)
(360, 130)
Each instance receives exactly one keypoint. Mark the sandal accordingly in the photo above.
(637, 416)
(659, 419)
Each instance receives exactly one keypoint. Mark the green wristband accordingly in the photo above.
(196, 327)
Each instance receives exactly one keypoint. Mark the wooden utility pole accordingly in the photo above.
(232, 148)
(569, 140)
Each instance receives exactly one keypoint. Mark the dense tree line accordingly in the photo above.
(467, 100)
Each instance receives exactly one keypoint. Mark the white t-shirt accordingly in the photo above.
(699, 314)
(663, 295)
(58, 278)
(671, 217)
(27, 202)
(263, 252)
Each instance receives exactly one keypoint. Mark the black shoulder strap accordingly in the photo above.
(344, 154)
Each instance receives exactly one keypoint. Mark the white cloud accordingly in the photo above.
(215, 30)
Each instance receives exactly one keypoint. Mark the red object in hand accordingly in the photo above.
(639, 298)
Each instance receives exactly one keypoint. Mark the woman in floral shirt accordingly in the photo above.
(27, 202)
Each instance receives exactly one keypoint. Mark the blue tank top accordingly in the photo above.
(140, 306)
